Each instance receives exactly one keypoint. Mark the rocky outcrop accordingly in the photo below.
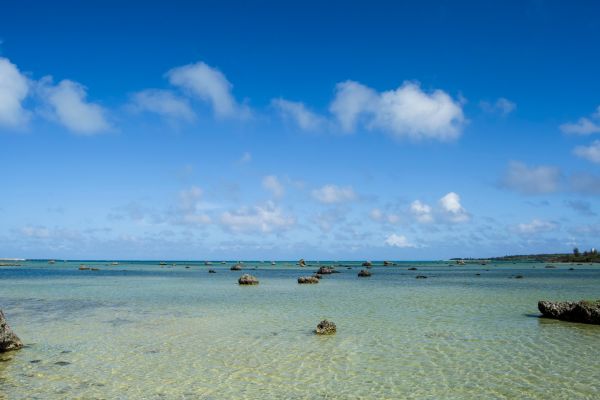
(587, 312)
(302, 263)
(325, 328)
(367, 264)
(308, 279)
(248, 279)
(8, 340)
(364, 273)
(388, 263)
(236, 267)
(325, 271)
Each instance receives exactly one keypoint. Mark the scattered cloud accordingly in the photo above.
(36, 232)
(535, 227)
(162, 102)
(421, 211)
(14, 88)
(266, 219)
(379, 216)
(191, 209)
(210, 85)
(331, 194)
(273, 185)
(501, 106)
(68, 105)
(585, 182)
(590, 153)
(401, 241)
(451, 208)
(299, 113)
(583, 126)
(531, 180)
(581, 206)
(404, 112)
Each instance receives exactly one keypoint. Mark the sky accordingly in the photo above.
(276, 130)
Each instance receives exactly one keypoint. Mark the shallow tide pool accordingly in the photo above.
(141, 330)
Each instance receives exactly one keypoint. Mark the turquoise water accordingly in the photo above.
(140, 330)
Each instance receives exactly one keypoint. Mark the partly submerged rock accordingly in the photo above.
(587, 312)
(212, 271)
(302, 263)
(325, 271)
(412, 269)
(364, 273)
(420, 277)
(236, 267)
(388, 263)
(325, 328)
(8, 340)
(308, 279)
(248, 279)
(367, 264)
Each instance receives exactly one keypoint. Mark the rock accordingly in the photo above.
(519, 277)
(477, 274)
(212, 271)
(420, 277)
(571, 269)
(387, 263)
(84, 268)
(587, 312)
(247, 279)
(308, 279)
(550, 266)
(325, 328)
(348, 267)
(363, 273)
(8, 340)
(367, 264)
(412, 269)
(236, 267)
(325, 271)
(318, 276)
(302, 263)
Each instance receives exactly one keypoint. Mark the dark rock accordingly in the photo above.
(247, 279)
(412, 269)
(8, 340)
(388, 263)
(308, 279)
(420, 277)
(62, 363)
(236, 267)
(324, 271)
(318, 276)
(325, 328)
(348, 267)
(587, 312)
(519, 277)
(478, 274)
(571, 269)
(35, 361)
(364, 273)
(212, 271)
(550, 266)
(367, 264)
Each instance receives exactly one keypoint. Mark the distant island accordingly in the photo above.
(588, 256)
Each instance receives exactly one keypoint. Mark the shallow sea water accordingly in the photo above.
(144, 331)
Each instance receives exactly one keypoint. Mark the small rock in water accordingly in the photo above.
(236, 267)
(325, 271)
(325, 327)
(519, 277)
(62, 363)
(318, 276)
(35, 361)
(212, 271)
(367, 264)
(587, 312)
(247, 279)
(550, 266)
(571, 269)
(412, 269)
(308, 279)
(364, 273)
(8, 340)
(420, 277)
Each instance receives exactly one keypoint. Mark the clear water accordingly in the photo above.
(139, 330)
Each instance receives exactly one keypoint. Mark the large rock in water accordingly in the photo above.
(325, 328)
(308, 279)
(364, 273)
(8, 340)
(325, 271)
(248, 279)
(587, 312)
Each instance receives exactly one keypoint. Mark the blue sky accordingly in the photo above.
(266, 130)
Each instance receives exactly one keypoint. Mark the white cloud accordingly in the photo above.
(398, 241)
(531, 180)
(272, 184)
(191, 209)
(330, 194)
(14, 88)
(421, 211)
(452, 209)
(502, 106)
(405, 112)
(583, 126)
(162, 102)
(209, 84)
(590, 153)
(68, 104)
(536, 226)
(36, 232)
(267, 218)
(299, 113)
(377, 215)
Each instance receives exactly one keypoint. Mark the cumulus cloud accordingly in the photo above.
(421, 211)
(501, 106)
(14, 88)
(377, 215)
(299, 113)
(404, 112)
(68, 105)
(583, 126)
(531, 180)
(535, 227)
(452, 209)
(266, 219)
(208, 84)
(590, 153)
(331, 194)
(162, 102)
(272, 184)
(401, 241)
